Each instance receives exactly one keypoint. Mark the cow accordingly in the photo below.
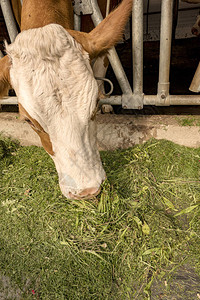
(101, 63)
(48, 65)
(196, 27)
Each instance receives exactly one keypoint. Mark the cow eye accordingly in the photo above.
(28, 121)
(32, 125)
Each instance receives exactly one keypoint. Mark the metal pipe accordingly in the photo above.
(77, 22)
(119, 71)
(9, 19)
(152, 100)
(137, 46)
(107, 7)
(136, 99)
(112, 100)
(9, 101)
(173, 100)
(96, 15)
(112, 54)
(184, 100)
(117, 100)
(165, 50)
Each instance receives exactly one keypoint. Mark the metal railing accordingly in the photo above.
(163, 98)
(130, 99)
(9, 19)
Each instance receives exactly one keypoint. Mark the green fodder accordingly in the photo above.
(143, 225)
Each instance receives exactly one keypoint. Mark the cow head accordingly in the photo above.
(196, 27)
(49, 68)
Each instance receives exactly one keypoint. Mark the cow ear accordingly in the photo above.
(107, 33)
(4, 76)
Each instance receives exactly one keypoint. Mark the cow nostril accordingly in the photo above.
(86, 194)
(90, 191)
(194, 31)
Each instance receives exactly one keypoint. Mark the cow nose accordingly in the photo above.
(194, 31)
(86, 193)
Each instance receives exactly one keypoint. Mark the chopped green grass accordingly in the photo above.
(189, 121)
(143, 226)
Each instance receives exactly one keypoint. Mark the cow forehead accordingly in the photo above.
(49, 41)
(49, 48)
(51, 72)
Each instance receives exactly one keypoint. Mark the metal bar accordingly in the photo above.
(119, 71)
(112, 100)
(152, 100)
(135, 101)
(9, 101)
(107, 7)
(9, 19)
(97, 15)
(184, 100)
(165, 51)
(173, 100)
(137, 46)
(112, 56)
(117, 100)
(77, 22)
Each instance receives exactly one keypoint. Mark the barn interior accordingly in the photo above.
(123, 128)
(185, 56)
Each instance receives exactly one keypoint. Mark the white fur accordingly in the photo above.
(54, 82)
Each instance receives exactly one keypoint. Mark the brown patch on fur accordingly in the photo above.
(86, 21)
(44, 137)
(39, 13)
(4, 76)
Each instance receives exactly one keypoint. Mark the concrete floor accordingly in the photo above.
(118, 131)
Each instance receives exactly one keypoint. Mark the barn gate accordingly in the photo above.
(129, 99)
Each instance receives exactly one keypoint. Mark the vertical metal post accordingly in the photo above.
(119, 72)
(113, 57)
(165, 52)
(9, 19)
(77, 22)
(137, 52)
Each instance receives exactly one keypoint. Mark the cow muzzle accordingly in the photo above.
(71, 189)
(195, 31)
(85, 194)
